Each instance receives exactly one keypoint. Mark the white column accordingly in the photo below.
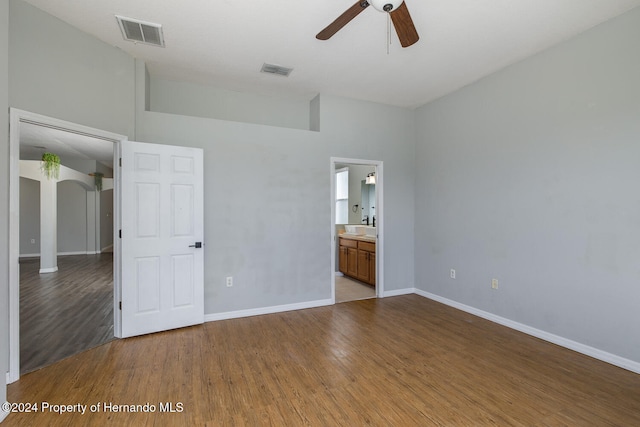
(98, 245)
(91, 222)
(48, 225)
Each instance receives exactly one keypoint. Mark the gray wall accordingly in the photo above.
(273, 233)
(72, 212)
(4, 199)
(190, 99)
(59, 71)
(29, 216)
(106, 219)
(72, 217)
(531, 176)
(362, 130)
(106, 210)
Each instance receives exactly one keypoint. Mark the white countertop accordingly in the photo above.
(362, 237)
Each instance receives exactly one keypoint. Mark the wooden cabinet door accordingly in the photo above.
(363, 265)
(352, 262)
(372, 268)
(343, 260)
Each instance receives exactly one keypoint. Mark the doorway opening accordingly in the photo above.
(97, 258)
(357, 223)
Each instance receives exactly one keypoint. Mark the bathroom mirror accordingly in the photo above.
(368, 197)
(357, 208)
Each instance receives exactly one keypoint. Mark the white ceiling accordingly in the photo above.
(36, 139)
(224, 43)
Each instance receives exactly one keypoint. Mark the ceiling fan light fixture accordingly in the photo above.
(385, 5)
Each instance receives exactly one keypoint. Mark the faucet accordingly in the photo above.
(366, 218)
(374, 220)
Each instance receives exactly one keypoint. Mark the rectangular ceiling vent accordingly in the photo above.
(276, 69)
(138, 31)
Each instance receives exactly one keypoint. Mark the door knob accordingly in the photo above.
(198, 245)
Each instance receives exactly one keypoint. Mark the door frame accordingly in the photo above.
(379, 220)
(17, 116)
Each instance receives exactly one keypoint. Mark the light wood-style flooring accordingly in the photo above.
(65, 312)
(399, 361)
(350, 290)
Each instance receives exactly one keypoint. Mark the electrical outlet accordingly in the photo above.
(452, 273)
(229, 281)
(494, 283)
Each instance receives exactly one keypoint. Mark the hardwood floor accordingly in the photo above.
(399, 361)
(66, 312)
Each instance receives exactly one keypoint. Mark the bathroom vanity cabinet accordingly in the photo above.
(357, 258)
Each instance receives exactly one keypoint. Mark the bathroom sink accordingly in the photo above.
(369, 231)
(360, 230)
(352, 229)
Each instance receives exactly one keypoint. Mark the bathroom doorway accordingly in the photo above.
(357, 225)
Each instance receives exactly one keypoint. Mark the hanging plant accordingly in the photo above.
(51, 165)
(97, 179)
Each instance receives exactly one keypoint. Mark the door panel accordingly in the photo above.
(162, 219)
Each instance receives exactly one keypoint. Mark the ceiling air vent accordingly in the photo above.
(276, 69)
(138, 31)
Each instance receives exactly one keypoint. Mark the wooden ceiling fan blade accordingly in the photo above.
(342, 20)
(403, 24)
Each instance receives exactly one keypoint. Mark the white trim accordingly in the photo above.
(543, 335)
(379, 220)
(77, 253)
(30, 255)
(36, 255)
(117, 242)
(106, 248)
(48, 270)
(397, 292)
(266, 310)
(3, 413)
(15, 117)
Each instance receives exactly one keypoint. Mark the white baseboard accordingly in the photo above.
(397, 292)
(3, 413)
(266, 310)
(48, 270)
(30, 255)
(63, 254)
(76, 253)
(613, 359)
(107, 248)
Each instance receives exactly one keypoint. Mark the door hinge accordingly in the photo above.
(120, 305)
(120, 234)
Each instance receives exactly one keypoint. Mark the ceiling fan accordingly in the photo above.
(397, 10)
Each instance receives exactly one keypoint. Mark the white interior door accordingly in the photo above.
(162, 232)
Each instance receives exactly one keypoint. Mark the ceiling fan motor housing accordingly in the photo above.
(385, 5)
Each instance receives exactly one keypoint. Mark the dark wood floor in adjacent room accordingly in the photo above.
(399, 361)
(65, 312)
